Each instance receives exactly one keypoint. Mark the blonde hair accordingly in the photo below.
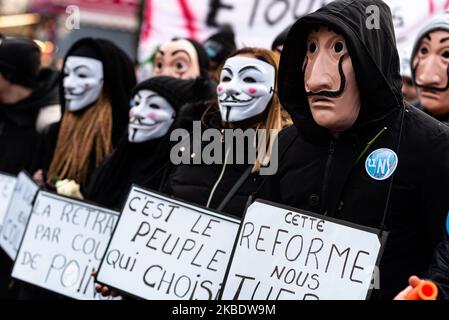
(79, 136)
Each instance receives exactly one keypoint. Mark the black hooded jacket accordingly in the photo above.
(146, 163)
(323, 174)
(18, 133)
(119, 80)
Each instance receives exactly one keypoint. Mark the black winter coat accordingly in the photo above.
(327, 175)
(143, 164)
(18, 134)
(439, 268)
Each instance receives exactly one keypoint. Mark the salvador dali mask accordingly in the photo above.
(245, 89)
(329, 79)
(150, 117)
(83, 82)
(431, 72)
(178, 59)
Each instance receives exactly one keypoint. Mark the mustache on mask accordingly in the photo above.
(431, 88)
(330, 94)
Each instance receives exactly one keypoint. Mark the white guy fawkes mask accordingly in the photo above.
(245, 89)
(83, 82)
(150, 117)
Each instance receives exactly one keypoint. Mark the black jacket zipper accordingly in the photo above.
(330, 157)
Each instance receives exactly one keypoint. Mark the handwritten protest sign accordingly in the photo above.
(166, 249)
(16, 217)
(64, 243)
(300, 256)
(7, 184)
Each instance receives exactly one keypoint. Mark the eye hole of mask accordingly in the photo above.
(249, 80)
(154, 106)
(423, 50)
(339, 47)
(312, 47)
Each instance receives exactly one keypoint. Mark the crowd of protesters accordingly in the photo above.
(332, 90)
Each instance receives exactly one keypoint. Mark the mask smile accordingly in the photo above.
(233, 100)
(72, 94)
(321, 101)
(429, 93)
(141, 126)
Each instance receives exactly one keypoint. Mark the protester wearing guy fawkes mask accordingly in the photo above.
(246, 99)
(341, 84)
(430, 67)
(142, 156)
(95, 89)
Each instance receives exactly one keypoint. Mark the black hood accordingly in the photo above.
(374, 57)
(24, 112)
(119, 80)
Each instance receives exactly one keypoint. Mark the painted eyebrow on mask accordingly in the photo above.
(80, 67)
(161, 52)
(228, 69)
(444, 40)
(181, 51)
(151, 96)
(249, 68)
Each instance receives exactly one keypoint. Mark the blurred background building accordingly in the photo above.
(56, 24)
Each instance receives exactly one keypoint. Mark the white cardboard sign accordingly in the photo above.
(7, 184)
(17, 215)
(300, 256)
(64, 243)
(167, 249)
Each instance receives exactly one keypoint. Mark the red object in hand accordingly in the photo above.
(426, 290)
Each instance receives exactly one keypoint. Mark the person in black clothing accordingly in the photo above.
(95, 93)
(278, 42)
(246, 99)
(356, 151)
(438, 272)
(430, 67)
(26, 92)
(142, 156)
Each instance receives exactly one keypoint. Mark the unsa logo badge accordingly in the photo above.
(381, 164)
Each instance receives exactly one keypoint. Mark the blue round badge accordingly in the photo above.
(381, 164)
(447, 224)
